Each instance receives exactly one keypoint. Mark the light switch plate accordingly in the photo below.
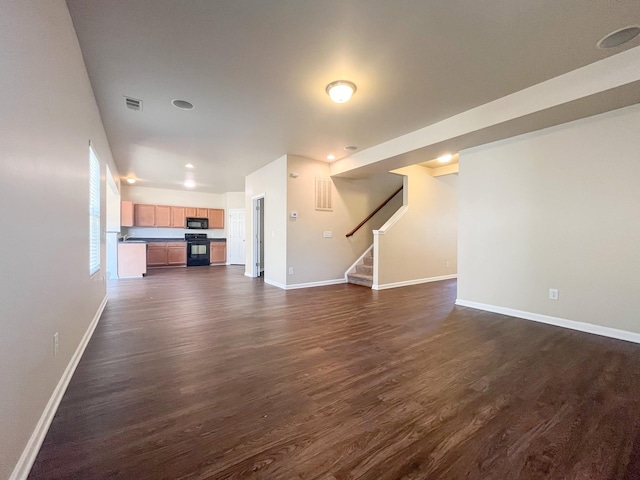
(327, 234)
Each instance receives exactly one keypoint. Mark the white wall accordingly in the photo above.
(270, 181)
(164, 196)
(313, 257)
(186, 198)
(422, 244)
(48, 117)
(558, 208)
(235, 200)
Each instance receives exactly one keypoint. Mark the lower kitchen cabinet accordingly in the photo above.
(177, 253)
(218, 252)
(165, 254)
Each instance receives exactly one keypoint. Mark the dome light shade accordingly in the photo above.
(341, 91)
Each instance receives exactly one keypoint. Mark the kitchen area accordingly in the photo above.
(162, 236)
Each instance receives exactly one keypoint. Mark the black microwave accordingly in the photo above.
(197, 223)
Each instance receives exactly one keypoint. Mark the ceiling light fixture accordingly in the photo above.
(131, 180)
(619, 37)
(445, 158)
(341, 91)
(189, 165)
(350, 148)
(182, 104)
(331, 157)
(189, 183)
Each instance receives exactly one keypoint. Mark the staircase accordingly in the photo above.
(363, 274)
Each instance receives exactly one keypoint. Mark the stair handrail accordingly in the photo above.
(350, 234)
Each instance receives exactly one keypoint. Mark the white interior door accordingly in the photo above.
(236, 237)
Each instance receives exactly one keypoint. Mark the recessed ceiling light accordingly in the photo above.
(341, 91)
(131, 180)
(445, 158)
(331, 157)
(350, 148)
(619, 37)
(182, 104)
(189, 165)
(189, 183)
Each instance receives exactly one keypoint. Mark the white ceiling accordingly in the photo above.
(256, 71)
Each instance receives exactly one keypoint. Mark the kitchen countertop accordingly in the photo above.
(176, 239)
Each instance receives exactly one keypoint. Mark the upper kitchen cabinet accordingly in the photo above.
(144, 215)
(126, 213)
(216, 217)
(163, 216)
(178, 217)
(202, 212)
(190, 212)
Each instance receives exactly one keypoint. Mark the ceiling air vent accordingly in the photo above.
(133, 103)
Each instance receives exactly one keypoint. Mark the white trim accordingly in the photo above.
(392, 221)
(416, 281)
(247, 274)
(23, 467)
(296, 286)
(255, 234)
(275, 284)
(323, 283)
(559, 322)
(353, 266)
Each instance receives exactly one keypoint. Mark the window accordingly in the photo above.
(94, 212)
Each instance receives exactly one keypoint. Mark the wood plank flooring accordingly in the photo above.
(202, 373)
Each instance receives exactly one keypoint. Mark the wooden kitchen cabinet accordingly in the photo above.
(126, 213)
(156, 254)
(216, 217)
(178, 217)
(144, 215)
(163, 216)
(166, 254)
(177, 253)
(218, 252)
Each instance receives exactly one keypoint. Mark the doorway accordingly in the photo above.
(113, 225)
(258, 237)
(236, 236)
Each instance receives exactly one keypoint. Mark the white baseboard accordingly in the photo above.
(275, 284)
(305, 285)
(23, 467)
(417, 281)
(559, 322)
(323, 283)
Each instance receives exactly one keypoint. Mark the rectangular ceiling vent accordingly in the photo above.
(133, 103)
(323, 194)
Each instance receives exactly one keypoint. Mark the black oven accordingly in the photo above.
(197, 223)
(197, 249)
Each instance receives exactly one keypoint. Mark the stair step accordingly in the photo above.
(366, 269)
(368, 260)
(360, 279)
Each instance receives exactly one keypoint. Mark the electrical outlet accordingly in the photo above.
(290, 270)
(55, 344)
(553, 294)
(447, 263)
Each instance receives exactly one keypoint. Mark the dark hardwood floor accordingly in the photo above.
(202, 373)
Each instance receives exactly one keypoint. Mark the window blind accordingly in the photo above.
(94, 212)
